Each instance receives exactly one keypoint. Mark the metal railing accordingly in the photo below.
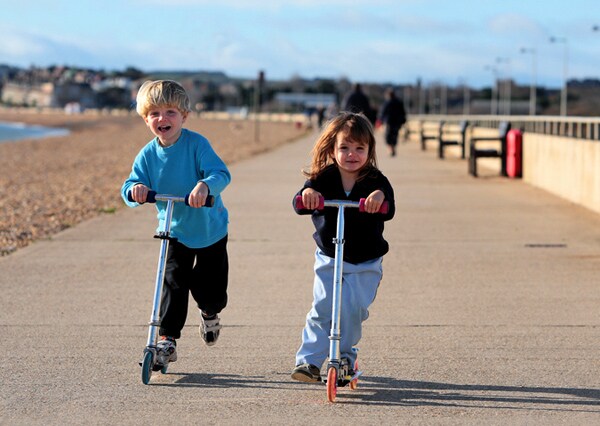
(571, 127)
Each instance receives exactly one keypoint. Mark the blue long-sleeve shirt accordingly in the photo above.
(176, 170)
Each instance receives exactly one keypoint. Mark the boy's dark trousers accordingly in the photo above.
(203, 273)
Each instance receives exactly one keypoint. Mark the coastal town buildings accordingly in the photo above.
(66, 87)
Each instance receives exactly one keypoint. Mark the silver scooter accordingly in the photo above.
(150, 360)
(338, 370)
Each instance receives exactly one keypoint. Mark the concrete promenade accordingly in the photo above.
(488, 313)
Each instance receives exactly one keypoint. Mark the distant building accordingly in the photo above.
(48, 94)
(302, 101)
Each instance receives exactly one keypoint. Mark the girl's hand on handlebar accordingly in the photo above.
(311, 199)
(374, 201)
(139, 193)
(198, 195)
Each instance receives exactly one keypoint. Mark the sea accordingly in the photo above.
(17, 131)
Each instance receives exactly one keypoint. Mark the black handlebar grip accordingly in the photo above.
(210, 201)
(151, 197)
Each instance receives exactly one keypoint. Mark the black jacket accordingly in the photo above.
(357, 102)
(363, 231)
(393, 113)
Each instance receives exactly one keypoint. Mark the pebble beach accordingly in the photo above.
(50, 184)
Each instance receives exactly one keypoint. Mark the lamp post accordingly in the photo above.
(494, 71)
(563, 94)
(466, 96)
(406, 99)
(443, 99)
(532, 88)
(506, 87)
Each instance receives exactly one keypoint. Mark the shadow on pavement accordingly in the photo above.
(389, 391)
(220, 381)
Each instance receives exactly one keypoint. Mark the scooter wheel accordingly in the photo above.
(147, 367)
(164, 369)
(354, 383)
(332, 384)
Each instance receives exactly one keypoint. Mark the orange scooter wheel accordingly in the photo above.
(331, 384)
(354, 383)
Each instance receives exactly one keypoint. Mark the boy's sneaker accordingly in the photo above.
(307, 373)
(209, 328)
(166, 351)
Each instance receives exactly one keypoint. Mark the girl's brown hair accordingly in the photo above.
(357, 128)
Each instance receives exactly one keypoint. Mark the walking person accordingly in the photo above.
(393, 115)
(357, 102)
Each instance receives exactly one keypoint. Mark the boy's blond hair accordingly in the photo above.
(161, 93)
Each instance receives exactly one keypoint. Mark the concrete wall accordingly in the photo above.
(564, 166)
(567, 167)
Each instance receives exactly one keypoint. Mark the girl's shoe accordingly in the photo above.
(307, 373)
(209, 329)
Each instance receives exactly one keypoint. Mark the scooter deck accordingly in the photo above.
(346, 380)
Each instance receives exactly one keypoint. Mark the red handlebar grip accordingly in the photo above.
(300, 205)
(385, 206)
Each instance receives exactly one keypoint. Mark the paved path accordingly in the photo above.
(488, 312)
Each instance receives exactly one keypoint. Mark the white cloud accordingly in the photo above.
(18, 45)
(512, 24)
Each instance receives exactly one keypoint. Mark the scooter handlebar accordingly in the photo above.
(300, 204)
(151, 198)
(361, 205)
(383, 209)
(209, 202)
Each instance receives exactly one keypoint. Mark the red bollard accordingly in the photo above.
(514, 153)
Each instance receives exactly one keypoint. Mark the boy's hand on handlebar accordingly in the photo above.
(198, 195)
(311, 199)
(139, 193)
(374, 201)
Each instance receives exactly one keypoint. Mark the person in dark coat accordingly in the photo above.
(357, 102)
(393, 115)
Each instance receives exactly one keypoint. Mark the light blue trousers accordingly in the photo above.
(359, 288)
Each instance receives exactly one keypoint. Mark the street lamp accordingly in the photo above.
(466, 96)
(494, 71)
(444, 99)
(506, 86)
(532, 88)
(406, 98)
(563, 95)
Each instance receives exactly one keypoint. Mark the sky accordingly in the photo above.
(451, 42)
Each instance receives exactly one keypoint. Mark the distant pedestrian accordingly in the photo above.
(357, 102)
(393, 115)
(179, 161)
(320, 115)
